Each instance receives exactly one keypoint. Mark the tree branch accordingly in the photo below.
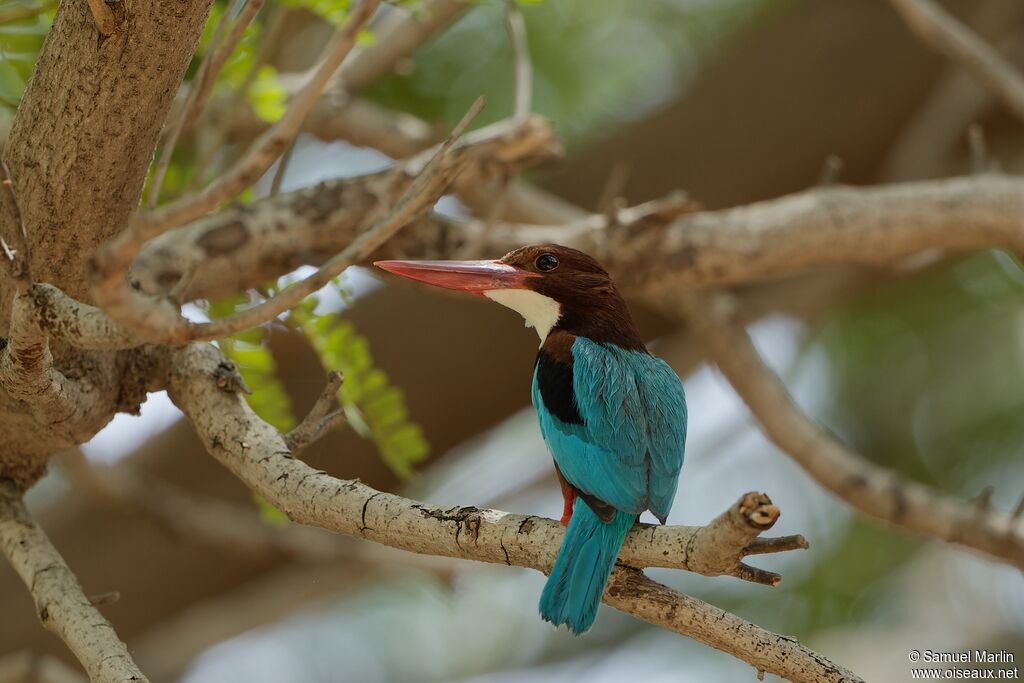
(223, 527)
(321, 419)
(632, 592)
(874, 491)
(113, 258)
(165, 324)
(60, 602)
(252, 245)
(256, 453)
(875, 226)
(943, 33)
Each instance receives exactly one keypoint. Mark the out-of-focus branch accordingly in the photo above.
(943, 33)
(194, 102)
(397, 36)
(257, 454)
(213, 523)
(60, 602)
(870, 489)
(19, 13)
(828, 226)
(114, 257)
(30, 667)
(251, 245)
(165, 323)
(516, 27)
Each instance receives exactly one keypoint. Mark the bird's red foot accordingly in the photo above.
(568, 500)
(568, 497)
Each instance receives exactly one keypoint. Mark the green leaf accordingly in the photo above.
(270, 514)
(334, 11)
(376, 410)
(12, 86)
(268, 97)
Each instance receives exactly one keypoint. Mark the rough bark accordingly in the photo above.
(85, 131)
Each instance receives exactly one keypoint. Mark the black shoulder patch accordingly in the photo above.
(554, 380)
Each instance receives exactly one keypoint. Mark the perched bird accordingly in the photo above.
(613, 415)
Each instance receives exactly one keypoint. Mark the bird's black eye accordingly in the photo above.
(546, 262)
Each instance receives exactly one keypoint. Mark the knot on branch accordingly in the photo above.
(229, 379)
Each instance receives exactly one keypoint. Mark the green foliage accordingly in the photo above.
(907, 392)
(20, 42)
(268, 399)
(375, 408)
(596, 63)
(334, 11)
(266, 94)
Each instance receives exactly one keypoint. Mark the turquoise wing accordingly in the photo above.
(629, 448)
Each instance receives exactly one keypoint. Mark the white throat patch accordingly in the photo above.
(540, 312)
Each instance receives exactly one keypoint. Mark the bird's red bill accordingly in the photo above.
(476, 277)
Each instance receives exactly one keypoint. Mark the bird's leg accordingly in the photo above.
(568, 497)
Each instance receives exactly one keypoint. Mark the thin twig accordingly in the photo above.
(419, 197)
(430, 183)
(944, 33)
(206, 72)
(223, 53)
(321, 419)
(282, 168)
(235, 103)
(516, 27)
(113, 258)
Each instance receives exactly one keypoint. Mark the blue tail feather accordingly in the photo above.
(585, 561)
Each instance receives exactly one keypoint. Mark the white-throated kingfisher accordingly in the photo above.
(613, 415)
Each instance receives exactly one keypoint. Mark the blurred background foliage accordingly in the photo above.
(919, 367)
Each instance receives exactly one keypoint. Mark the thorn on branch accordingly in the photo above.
(322, 418)
(984, 499)
(981, 159)
(101, 599)
(1019, 510)
(831, 168)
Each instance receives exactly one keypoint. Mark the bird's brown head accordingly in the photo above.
(553, 287)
